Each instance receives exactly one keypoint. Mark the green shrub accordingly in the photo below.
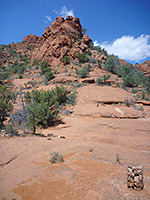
(45, 64)
(103, 81)
(111, 64)
(130, 80)
(82, 58)
(9, 129)
(61, 94)
(123, 70)
(98, 49)
(6, 98)
(138, 108)
(66, 60)
(89, 53)
(84, 31)
(47, 70)
(17, 68)
(19, 119)
(100, 81)
(36, 61)
(117, 158)
(49, 75)
(4, 75)
(43, 106)
(71, 99)
(56, 157)
(117, 84)
(89, 67)
(83, 73)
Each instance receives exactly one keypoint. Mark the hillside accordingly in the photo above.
(60, 93)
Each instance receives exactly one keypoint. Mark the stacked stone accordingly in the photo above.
(135, 177)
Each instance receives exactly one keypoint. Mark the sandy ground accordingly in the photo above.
(98, 129)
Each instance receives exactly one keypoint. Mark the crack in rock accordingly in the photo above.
(9, 161)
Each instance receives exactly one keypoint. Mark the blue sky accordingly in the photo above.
(120, 26)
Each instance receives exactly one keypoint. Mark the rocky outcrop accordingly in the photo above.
(32, 40)
(144, 67)
(62, 38)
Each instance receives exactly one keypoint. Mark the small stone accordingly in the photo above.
(140, 177)
(61, 136)
(136, 179)
(50, 135)
(129, 170)
(91, 150)
(55, 135)
(141, 185)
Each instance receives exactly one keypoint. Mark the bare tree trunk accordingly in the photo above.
(34, 130)
(23, 107)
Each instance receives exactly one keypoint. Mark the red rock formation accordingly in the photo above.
(61, 38)
(144, 67)
(32, 40)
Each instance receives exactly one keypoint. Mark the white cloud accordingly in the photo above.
(128, 47)
(55, 11)
(96, 43)
(64, 12)
(48, 19)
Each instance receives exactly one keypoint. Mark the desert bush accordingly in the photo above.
(17, 68)
(98, 49)
(44, 64)
(47, 70)
(4, 75)
(75, 62)
(78, 85)
(19, 119)
(6, 98)
(117, 158)
(89, 67)
(83, 73)
(138, 108)
(9, 129)
(102, 81)
(41, 109)
(123, 70)
(49, 75)
(131, 80)
(84, 31)
(82, 58)
(36, 61)
(111, 64)
(117, 84)
(43, 106)
(71, 99)
(61, 94)
(89, 53)
(92, 60)
(128, 102)
(56, 157)
(66, 60)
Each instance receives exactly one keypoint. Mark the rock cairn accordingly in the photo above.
(135, 177)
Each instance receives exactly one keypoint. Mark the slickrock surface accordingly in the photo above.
(93, 138)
